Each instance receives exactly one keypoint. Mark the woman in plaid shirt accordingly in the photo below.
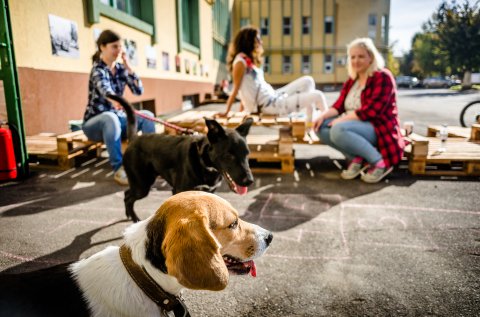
(363, 123)
(104, 120)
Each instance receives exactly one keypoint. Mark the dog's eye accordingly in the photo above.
(233, 225)
(229, 157)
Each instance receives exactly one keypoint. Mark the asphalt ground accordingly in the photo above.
(408, 246)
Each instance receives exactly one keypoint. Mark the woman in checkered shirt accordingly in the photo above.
(363, 123)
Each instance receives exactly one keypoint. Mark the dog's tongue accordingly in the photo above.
(241, 190)
(253, 268)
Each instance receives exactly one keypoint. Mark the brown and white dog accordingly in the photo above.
(193, 241)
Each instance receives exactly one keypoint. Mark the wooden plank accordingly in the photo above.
(453, 131)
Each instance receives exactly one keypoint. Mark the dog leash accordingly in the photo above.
(167, 124)
(167, 302)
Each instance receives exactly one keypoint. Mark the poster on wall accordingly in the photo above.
(96, 34)
(187, 66)
(151, 55)
(165, 61)
(131, 50)
(177, 63)
(63, 37)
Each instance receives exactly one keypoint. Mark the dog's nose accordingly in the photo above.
(247, 181)
(269, 239)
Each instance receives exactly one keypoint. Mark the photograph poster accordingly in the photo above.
(131, 50)
(151, 55)
(165, 61)
(178, 66)
(63, 37)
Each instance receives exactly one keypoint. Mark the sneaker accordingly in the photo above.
(376, 174)
(121, 177)
(354, 169)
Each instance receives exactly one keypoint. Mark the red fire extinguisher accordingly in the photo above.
(8, 167)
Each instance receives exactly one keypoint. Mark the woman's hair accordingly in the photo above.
(244, 42)
(377, 60)
(104, 38)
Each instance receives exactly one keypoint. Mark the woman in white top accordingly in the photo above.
(256, 95)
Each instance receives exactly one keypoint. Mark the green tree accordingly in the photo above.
(457, 27)
(427, 58)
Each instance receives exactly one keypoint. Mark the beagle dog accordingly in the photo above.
(194, 240)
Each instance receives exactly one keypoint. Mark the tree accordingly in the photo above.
(428, 58)
(458, 29)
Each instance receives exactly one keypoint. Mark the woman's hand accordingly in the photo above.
(222, 114)
(318, 122)
(126, 62)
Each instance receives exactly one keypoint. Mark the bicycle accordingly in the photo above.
(470, 114)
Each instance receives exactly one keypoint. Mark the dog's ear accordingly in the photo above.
(193, 254)
(244, 128)
(215, 130)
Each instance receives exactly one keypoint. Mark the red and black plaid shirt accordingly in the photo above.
(379, 106)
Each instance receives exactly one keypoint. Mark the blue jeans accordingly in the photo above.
(111, 128)
(352, 138)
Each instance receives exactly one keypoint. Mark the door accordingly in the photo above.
(11, 91)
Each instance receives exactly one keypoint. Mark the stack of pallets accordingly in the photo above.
(272, 153)
(59, 151)
(461, 156)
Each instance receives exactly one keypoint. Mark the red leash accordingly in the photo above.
(167, 124)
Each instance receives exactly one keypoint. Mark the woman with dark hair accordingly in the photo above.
(104, 120)
(256, 95)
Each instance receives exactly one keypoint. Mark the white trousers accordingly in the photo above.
(297, 95)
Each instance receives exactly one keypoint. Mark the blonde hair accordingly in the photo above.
(377, 60)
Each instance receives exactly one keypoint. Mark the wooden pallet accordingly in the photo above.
(453, 132)
(59, 151)
(194, 120)
(272, 153)
(461, 157)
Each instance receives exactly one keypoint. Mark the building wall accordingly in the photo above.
(54, 89)
(350, 21)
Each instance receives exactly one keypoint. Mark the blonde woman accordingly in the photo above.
(363, 123)
(256, 95)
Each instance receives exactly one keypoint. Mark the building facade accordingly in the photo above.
(309, 37)
(177, 47)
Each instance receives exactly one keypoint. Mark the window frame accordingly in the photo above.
(182, 43)
(306, 65)
(264, 26)
(306, 23)
(146, 24)
(286, 65)
(266, 64)
(328, 23)
(286, 26)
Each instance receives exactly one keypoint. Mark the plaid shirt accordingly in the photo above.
(379, 106)
(103, 82)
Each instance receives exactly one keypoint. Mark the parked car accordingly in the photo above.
(437, 82)
(407, 81)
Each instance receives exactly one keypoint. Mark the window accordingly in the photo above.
(188, 26)
(306, 64)
(372, 26)
(287, 25)
(266, 64)
(328, 25)
(384, 29)
(221, 30)
(264, 26)
(244, 22)
(287, 64)
(328, 64)
(306, 23)
(138, 14)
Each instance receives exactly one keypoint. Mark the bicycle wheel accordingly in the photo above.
(470, 114)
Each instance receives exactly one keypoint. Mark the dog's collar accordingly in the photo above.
(148, 285)
(205, 159)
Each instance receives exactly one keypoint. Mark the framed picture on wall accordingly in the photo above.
(151, 55)
(63, 37)
(131, 50)
(178, 65)
(165, 61)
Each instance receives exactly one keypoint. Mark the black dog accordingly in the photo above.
(185, 162)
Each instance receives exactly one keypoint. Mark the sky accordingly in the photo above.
(406, 19)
